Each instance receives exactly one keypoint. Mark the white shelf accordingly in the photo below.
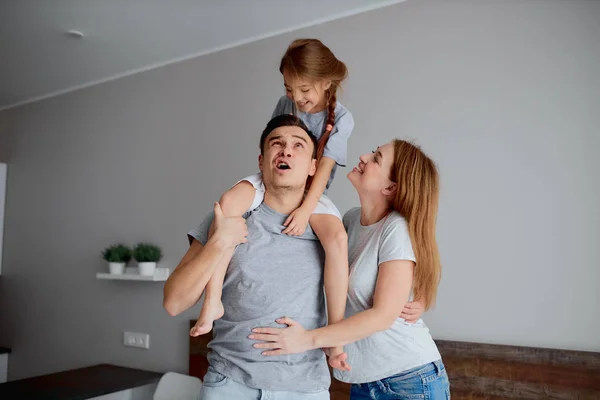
(132, 274)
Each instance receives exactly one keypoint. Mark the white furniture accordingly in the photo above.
(174, 386)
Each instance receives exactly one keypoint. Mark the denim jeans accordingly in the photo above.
(216, 386)
(428, 381)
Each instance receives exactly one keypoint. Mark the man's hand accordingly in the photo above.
(412, 311)
(229, 231)
(297, 222)
(291, 340)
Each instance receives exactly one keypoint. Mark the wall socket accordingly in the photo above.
(134, 339)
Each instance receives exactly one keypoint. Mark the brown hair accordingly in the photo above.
(416, 199)
(310, 58)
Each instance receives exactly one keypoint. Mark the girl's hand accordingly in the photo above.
(291, 340)
(229, 231)
(297, 222)
(337, 358)
(412, 311)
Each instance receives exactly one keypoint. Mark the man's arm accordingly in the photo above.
(187, 282)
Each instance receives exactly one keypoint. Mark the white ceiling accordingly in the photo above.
(38, 59)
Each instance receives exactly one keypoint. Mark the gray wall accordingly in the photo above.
(3, 138)
(504, 95)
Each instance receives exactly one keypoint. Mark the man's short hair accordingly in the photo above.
(287, 120)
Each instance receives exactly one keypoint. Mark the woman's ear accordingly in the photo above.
(390, 190)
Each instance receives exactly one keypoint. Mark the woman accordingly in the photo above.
(393, 254)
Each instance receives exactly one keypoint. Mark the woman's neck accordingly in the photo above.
(373, 210)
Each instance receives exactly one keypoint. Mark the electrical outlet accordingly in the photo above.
(134, 339)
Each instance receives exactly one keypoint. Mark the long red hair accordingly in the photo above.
(416, 199)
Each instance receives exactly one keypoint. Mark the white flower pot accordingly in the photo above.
(116, 268)
(147, 268)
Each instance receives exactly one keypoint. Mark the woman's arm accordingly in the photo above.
(394, 281)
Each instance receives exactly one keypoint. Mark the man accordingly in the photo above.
(271, 275)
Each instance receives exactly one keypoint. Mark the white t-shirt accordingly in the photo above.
(402, 347)
(324, 206)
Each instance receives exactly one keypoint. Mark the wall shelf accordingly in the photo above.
(132, 274)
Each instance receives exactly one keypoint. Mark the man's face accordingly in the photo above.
(287, 159)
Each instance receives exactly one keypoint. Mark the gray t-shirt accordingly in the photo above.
(272, 276)
(337, 145)
(403, 346)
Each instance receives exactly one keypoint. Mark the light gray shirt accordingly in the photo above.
(403, 346)
(337, 145)
(272, 276)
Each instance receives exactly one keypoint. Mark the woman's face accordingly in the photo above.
(372, 174)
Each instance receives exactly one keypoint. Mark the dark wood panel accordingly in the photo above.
(458, 394)
(339, 390)
(533, 355)
(479, 370)
(524, 372)
(514, 389)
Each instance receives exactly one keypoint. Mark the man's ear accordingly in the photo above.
(260, 158)
(390, 190)
(313, 167)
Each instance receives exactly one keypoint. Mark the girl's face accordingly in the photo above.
(372, 173)
(309, 95)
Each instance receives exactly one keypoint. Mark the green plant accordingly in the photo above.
(147, 252)
(118, 253)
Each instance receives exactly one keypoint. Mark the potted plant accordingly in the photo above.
(117, 256)
(147, 255)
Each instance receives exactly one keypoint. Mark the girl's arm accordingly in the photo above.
(298, 220)
(330, 231)
(236, 201)
(392, 290)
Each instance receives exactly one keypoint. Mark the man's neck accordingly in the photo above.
(284, 200)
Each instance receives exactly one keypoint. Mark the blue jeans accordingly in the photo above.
(428, 381)
(216, 386)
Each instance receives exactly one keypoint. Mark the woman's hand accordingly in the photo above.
(297, 222)
(412, 311)
(279, 341)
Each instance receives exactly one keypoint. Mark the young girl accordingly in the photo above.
(392, 252)
(311, 74)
